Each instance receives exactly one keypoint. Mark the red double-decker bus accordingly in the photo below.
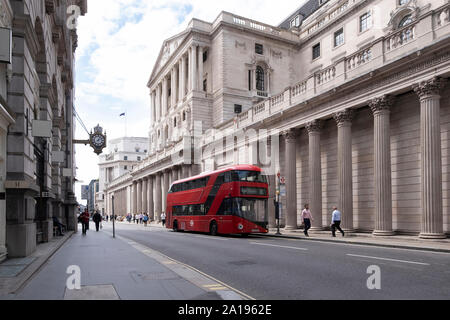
(229, 201)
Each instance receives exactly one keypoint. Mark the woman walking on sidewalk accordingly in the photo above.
(307, 219)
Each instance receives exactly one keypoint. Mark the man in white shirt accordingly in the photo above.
(336, 222)
(163, 219)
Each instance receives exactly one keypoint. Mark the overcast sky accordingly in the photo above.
(118, 44)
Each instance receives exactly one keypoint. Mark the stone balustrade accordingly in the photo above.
(326, 75)
(359, 58)
(401, 37)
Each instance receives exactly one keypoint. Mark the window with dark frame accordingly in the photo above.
(365, 22)
(260, 79)
(259, 48)
(339, 37)
(316, 51)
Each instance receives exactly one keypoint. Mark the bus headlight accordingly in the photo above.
(240, 226)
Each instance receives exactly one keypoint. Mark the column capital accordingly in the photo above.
(381, 104)
(314, 126)
(431, 87)
(290, 135)
(344, 118)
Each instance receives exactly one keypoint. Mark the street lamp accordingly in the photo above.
(114, 219)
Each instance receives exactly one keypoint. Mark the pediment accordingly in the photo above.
(168, 48)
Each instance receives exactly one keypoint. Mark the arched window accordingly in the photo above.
(260, 79)
(405, 21)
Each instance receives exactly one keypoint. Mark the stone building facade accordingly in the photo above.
(124, 154)
(350, 97)
(6, 119)
(40, 170)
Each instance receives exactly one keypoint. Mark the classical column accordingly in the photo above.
(315, 173)
(190, 68)
(134, 198)
(158, 197)
(139, 196)
(185, 171)
(164, 97)
(175, 86)
(291, 179)
(194, 75)
(145, 196)
(152, 107)
(174, 174)
(430, 127)
(151, 204)
(200, 69)
(182, 78)
(345, 174)
(383, 171)
(172, 86)
(165, 189)
(158, 103)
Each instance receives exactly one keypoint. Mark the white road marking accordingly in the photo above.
(272, 245)
(386, 259)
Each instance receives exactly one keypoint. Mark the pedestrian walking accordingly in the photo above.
(84, 219)
(97, 219)
(336, 222)
(163, 219)
(145, 219)
(307, 219)
(140, 218)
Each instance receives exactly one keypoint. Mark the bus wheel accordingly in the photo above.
(175, 226)
(213, 229)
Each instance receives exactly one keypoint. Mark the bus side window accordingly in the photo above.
(220, 179)
(228, 177)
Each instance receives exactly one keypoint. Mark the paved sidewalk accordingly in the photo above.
(113, 269)
(405, 242)
(14, 273)
(400, 241)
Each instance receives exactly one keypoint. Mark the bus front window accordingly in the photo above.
(249, 176)
(254, 210)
